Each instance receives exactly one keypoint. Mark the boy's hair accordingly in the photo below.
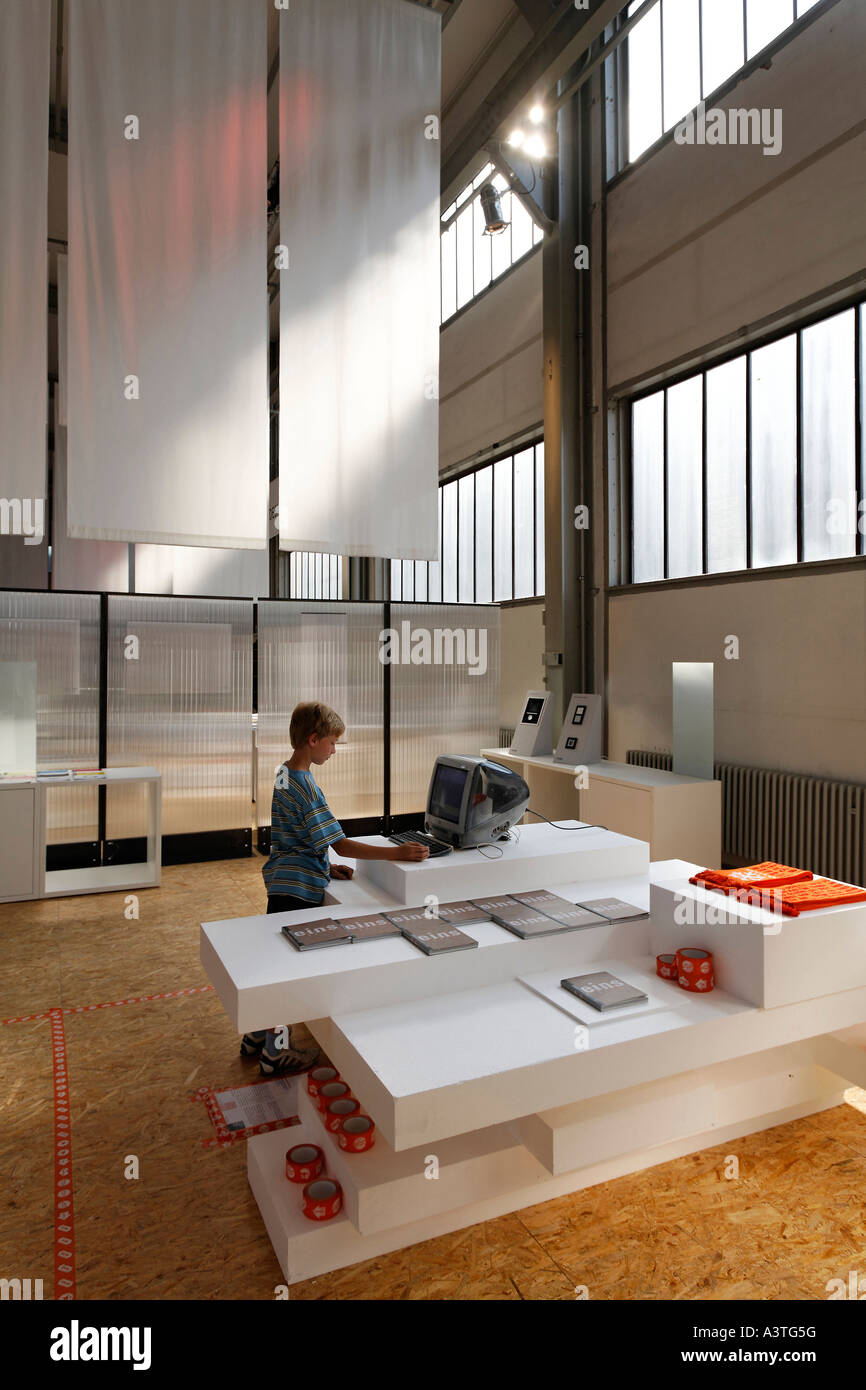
(312, 717)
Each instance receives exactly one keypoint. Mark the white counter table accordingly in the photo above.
(480, 1061)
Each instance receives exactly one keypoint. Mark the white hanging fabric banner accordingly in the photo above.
(167, 388)
(359, 281)
(25, 68)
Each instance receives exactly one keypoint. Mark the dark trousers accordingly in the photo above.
(285, 902)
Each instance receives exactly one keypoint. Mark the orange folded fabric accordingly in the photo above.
(793, 898)
(766, 875)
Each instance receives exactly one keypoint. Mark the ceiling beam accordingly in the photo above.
(549, 55)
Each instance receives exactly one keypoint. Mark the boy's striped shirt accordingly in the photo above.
(302, 828)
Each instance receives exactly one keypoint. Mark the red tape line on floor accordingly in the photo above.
(64, 1222)
(112, 1004)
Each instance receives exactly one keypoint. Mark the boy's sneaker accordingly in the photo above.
(288, 1063)
(252, 1043)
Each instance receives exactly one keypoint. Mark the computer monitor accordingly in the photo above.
(473, 801)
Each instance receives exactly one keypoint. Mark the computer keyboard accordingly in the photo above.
(419, 837)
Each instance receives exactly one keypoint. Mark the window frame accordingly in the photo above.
(852, 303)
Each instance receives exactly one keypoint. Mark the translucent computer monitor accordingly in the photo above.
(473, 801)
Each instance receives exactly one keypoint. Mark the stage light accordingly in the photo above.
(494, 222)
(535, 147)
(536, 115)
(516, 138)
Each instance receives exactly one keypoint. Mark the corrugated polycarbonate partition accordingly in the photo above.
(60, 632)
(180, 688)
(327, 651)
(444, 662)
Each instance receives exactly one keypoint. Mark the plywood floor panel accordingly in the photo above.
(189, 1226)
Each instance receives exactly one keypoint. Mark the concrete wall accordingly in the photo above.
(490, 367)
(796, 697)
(521, 666)
(705, 243)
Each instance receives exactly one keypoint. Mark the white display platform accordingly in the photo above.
(675, 814)
(538, 856)
(758, 955)
(519, 1093)
(263, 981)
(384, 1189)
(99, 878)
(747, 1090)
(306, 1249)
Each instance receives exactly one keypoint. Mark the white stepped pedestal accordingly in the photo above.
(758, 955)
(748, 1091)
(384, 1189)
(306, 1249)
(263, 981)
(439, 1067)
(543, 856)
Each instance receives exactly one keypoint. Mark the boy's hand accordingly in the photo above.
(342, 871)
(411, 851)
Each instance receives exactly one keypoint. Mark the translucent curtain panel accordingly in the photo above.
(180, 699)
(447, 704)
(60, 633)
(311, 650)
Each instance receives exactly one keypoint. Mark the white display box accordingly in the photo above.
(748, 1089)
(758, 955)
(442, 1066)
(384, 1189)
(539, 856)
(262, 980)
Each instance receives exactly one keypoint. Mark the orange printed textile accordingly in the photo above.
(766, 875)
(820, 892)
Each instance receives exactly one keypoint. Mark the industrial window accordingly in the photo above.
(756, 462)
(491, 536)
(471, 259)
(315, 576)
(681, 51)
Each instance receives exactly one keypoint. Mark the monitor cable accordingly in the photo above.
(557, 826)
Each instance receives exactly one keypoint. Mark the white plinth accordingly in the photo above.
(748, 1089)
(263, 981)
(384, 1189)
(542, 857)
(758, 955)
(674, 813)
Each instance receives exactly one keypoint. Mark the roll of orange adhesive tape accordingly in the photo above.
(304, 1163)
(322, 1199)
(666, 967)
(356, 1134)
(319, 1077)
(338, 1110)
(695, 970)
(332, 1090)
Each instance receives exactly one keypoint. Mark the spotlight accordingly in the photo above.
(516, 138)
(536, 115)
(535, 147)
(494, 222)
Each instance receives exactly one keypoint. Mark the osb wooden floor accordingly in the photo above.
(189, 1228)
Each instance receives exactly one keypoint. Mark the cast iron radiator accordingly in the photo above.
(810, 822)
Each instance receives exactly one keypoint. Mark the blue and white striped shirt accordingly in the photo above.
(302, 828)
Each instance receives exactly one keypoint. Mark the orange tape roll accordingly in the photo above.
(666, 967)
(338, 1110)
(695, 970)
(322, 1199)
(304, 1163)
(332, 1090)
(319, 1077)
(356, 1134)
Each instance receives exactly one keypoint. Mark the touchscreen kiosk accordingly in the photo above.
(533, 736)
(580, 740)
